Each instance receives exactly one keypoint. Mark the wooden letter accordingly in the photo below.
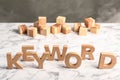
(87, 50)
(56, 49)
(67, 60)
(40, 60)
(11, 61)
(26, 53)
(102, 64)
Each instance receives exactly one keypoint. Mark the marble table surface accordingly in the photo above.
(108, 40)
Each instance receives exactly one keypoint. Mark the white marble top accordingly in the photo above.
(108, 40)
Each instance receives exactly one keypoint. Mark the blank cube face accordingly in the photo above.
(83, 31)
(89, 22)
(22, 29)
(60, 20)
(32, 31)
(94, 30)
(42, 27)
(42, 21)
(58, 26)
(54, 30)
(45, 31)
(97, 26)
(39, 28)
(66, 29)
(77, 26)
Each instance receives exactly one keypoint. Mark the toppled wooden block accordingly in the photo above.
(22, 29)
(45, 31)
(66, 29)
(56, 28)
(60, 20)
(95, 29)
(32, 31)
(77, 26)
(42, 20)
(83, 31)
(89, 22)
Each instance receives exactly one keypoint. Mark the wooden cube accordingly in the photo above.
(45, 31)
(60, 20)
(22, 29)
(35, 24)
(42, 20)
(66, 29)
(95, 29)
(58, 27)
(97, 25)
(54, 30)
(83, 31)
(42, 27)
(89, 22)
(32, 31)
(77, 26)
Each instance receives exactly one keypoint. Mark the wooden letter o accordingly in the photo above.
(77, 56)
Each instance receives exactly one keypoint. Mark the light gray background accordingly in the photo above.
(74, 10)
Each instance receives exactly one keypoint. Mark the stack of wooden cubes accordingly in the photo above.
(60, 26)
(89, 25)
(40, 26)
